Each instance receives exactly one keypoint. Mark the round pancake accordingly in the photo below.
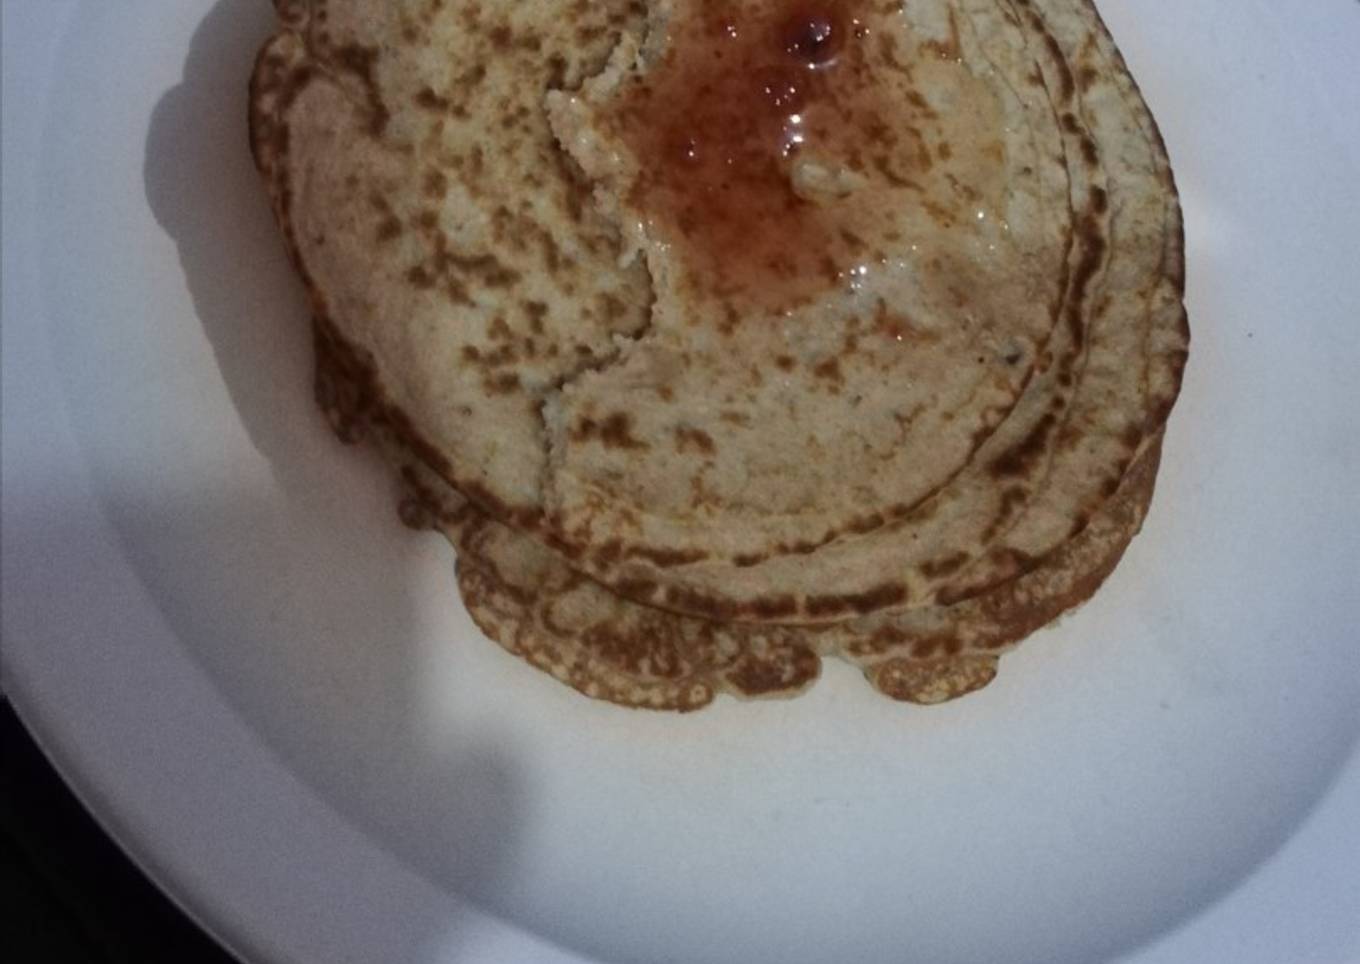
(1029, 527)
(373, 169)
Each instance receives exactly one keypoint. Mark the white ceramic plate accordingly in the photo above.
(267, 690)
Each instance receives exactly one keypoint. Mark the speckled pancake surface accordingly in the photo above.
(875, 366)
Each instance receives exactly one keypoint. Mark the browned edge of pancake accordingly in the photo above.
(1007, 614)
(680, 663)
(276, 82)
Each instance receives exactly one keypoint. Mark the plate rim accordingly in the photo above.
(110, 801)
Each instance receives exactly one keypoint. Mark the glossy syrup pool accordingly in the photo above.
(741, 96)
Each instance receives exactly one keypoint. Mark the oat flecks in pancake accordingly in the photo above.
(535, 336)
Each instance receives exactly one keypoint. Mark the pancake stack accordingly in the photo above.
(720, 337)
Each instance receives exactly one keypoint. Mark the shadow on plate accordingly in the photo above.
(311, 630)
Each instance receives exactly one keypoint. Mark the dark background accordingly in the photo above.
(69, 893)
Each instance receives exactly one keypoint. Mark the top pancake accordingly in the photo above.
(580, 365)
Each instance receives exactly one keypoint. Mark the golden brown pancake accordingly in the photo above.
(707, 380)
